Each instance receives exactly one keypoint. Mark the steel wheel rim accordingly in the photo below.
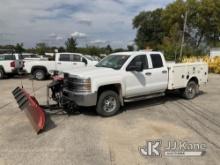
(39, 75)
(109, 104)
(191, 90)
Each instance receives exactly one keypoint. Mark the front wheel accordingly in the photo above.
(190, 91)
(39, 74)
(108, 104)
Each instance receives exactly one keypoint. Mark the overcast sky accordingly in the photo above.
(93, 22)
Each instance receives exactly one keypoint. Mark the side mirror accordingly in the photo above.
(85, 61)
(138, 66)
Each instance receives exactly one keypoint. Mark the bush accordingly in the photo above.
(213, 63)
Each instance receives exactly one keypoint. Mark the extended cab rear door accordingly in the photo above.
(157, 74)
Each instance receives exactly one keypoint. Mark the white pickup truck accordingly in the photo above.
(10, 64)
(130, 76)
(63, 61)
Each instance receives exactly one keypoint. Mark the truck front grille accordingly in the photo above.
(69, 84)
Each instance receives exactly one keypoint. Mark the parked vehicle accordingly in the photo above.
(131, 76)
(97, 58)
(10, 64)
(33, 57)
(117, 79)
(63, 61)
(93, 58)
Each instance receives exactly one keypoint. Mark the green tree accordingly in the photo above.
(171, 43)
(203, 23)
(119, 50)
(162, 29)
(130, 47)
(208, 21)
(41, 48)
(150, 31)
(7, 48)
(61, 49)
(174, 16)
(19, 48)
(108, 49)
(71, 44)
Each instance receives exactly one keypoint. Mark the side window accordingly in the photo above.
(9, 57)
(140, 58)
(64, 57)
(76, 58)
(2, 58)
(156, 60)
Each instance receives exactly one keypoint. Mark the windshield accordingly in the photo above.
(113, 61)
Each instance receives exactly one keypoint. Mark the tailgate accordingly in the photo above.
(19, 64)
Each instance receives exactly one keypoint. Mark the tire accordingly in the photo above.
(2, 74)
(39, 74)
(108, 104)
(190, 91)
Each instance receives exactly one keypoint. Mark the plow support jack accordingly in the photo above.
(31, 107)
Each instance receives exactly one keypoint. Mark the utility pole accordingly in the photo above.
(183, 37)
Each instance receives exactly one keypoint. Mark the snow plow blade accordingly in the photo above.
(31, 107)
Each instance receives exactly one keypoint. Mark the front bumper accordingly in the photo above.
(81, 99)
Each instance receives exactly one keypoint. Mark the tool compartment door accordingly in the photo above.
(180, 74)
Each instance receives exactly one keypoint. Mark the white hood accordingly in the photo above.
(91, 72)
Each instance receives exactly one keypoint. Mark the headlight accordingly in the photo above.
(83, 85)
(78, 85)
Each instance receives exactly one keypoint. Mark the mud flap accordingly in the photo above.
(31, 107)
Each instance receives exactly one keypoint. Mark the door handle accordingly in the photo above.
(74, 63)
(164, 72)
(148, 73)
(59, 63)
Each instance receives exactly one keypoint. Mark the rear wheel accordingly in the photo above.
(108, 104)
(191, 90)
(39, 74)
(2, 74)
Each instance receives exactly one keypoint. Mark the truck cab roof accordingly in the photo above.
(135, 52)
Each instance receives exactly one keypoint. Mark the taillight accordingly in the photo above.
(12, 64)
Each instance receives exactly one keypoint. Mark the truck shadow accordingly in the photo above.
(90, 111)
(169, 97)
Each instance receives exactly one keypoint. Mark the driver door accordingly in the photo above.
(136, 81)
